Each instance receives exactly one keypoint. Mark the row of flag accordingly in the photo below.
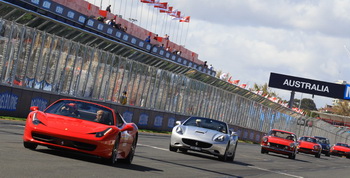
(163, 7)
(224, 77)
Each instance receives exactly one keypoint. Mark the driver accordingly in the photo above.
(70, 109)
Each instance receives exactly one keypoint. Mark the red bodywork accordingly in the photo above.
(80, 134)
(283, 143)
(305, 145)
(340, 149)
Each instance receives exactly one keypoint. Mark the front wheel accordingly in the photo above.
(263, 151)
(292, 156)
(30, 145)
(130, 157)
(225, 157)
(318, 155)
(171, 148)
(114, 158)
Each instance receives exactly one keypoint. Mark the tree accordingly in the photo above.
(342, 108)
(265, 89)
(308, 104)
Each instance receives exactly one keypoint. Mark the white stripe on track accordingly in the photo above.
(253, 167)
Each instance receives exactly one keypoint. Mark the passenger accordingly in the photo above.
(70, 109)
(99, 116)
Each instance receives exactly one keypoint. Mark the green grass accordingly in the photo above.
(12, 118)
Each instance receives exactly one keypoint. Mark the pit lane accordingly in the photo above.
(153, 159)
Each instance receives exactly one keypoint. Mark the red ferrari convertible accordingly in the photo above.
(82, 126)
(309, 145)
(279, 141)
(340, 149)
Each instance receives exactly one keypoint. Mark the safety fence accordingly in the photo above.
(37, 67)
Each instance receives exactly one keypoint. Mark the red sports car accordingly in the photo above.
(82, 126)
(340, 149)
(309, 145)
(279, 141)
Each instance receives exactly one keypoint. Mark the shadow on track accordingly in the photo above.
(92, 159)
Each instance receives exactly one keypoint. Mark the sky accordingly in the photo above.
(249, 39)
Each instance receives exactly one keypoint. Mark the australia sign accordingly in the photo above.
(314, 87)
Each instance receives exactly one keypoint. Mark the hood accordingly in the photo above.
(341, 148)
(278, 140)
(308, 145)
(200, 133)
(70, 124)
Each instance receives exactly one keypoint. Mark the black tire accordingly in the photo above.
(114, 158)
(30, 145)
(232, 158)
(183, 150)
(263, 151)
(328, 154)
(292, 156)
(318, 155)
(225, 157)
(171, 148)
(130, 157)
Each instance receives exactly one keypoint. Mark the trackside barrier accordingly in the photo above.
(37, 68)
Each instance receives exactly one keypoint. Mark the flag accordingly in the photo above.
(169, 10)
(236, 82)
(89, 6)
(147, 1)
(103, 13)
(174, 13)
(185, 19)
(243, 85)
(162, 6)
(229, 80)
(223, 76)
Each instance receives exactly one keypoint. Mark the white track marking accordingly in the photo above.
(253, 167)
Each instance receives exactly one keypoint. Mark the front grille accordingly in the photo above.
(63, 142)
(196, 143)
(277, 145)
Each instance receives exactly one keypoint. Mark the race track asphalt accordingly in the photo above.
(153, 159)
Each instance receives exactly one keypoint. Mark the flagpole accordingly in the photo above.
(182, 27)
(114, 11)
(186, 33)
(131, 9)
(141, 13)
(155, 27)
(120, 9)
(147, 17)
(177, 32)
(150, 28)
(125, 10)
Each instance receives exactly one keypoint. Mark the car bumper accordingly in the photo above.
(84, 143)
(277, 150)
(308, 151)
(340, 153)
(215, 148)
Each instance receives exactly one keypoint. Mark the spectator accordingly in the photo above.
(99, 116)
(156, 37)
(178, 53)
(123, 99)
(148, 39)
(101, 19)
(166, 37)
(167, 49)
(205, 64)
(108, 8)
(162, 46)
(211, 67)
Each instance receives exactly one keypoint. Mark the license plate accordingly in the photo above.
(195, 148)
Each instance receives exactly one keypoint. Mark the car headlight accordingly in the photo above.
(316, 147)
(179, 130)
(265, 139)
(35, 119)
(103, 133)
(292, 145)
(220, 138)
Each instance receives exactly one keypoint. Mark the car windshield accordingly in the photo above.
(82, 110)
(323, 140)
(342, 144)
(281, 134)
(207, 123)
(308, 139)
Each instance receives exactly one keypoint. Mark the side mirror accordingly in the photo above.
(34, 108)
(232, 132)
(127, 127)
(178, 122)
